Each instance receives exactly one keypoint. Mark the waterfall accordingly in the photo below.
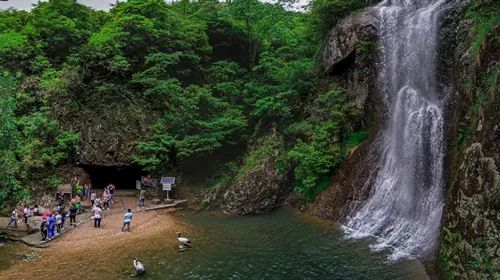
(405, 205)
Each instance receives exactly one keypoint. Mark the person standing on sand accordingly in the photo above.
(111, 192)
(13, 218)
(127, 219)
(97, 202)
(141, 198)
(93, 197)
(105, 198)
(97, 215)
(52, 225)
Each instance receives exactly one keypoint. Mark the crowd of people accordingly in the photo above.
(53, 221)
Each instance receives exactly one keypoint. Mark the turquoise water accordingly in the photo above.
(282, 245)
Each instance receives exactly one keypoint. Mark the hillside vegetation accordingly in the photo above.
(174, 82)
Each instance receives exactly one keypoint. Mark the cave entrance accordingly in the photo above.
(123, 177)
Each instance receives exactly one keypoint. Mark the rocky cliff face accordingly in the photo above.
(469, 58)
(349, 60)
(345, 39)
(109, 125)
(471, 224)
(261, 184)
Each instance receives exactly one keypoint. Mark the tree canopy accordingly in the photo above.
(205, 74)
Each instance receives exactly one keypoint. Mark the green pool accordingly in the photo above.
(282, 245)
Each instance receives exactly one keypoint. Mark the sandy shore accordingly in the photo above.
(105, 253)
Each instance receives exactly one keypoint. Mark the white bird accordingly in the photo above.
(139, 267)
(183, 241)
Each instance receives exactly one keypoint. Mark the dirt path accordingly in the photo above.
(105, 253)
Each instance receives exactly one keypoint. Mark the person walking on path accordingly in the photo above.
(141, 198)
(93, 197)
(52, 225)
(127, 218)
(26, 214)
(58, 222)
(72, 215)
(13, 218)
(44, 228)
(97, 215)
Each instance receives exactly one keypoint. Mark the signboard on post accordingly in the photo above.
(167, 187)
(168, 180)
(167, 183)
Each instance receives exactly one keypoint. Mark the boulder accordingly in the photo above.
(340, 48)
(155, 201)
(258, 191)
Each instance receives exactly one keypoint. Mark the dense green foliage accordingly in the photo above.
(200, 75)
(326, 13)
(485, 16)
(9, 137)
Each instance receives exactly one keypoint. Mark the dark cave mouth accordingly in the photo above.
(123, 177)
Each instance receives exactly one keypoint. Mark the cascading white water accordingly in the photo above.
(404, 209)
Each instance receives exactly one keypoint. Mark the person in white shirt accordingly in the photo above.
(26, 213)
(13, 218)
(93, 197)
(97, 212)
(58, 222)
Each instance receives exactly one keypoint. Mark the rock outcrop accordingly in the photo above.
(470, 240)
(258, 191)
(109, 126)
(344, 39)
(354, 37)
(261, 184)
(470, 237)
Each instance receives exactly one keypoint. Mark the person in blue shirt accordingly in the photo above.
(127, 218)
(52, 225)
